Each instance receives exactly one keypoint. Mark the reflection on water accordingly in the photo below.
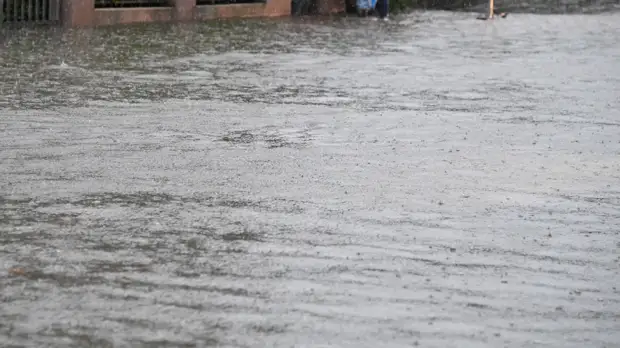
(432, 181)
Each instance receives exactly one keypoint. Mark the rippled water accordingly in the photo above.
(545, 6)
(433, 181)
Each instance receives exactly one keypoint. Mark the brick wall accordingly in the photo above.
(82, 13)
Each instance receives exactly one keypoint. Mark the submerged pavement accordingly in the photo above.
(433, 181)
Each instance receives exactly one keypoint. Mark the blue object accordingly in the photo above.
(366, 5)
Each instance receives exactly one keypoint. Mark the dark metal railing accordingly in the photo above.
(228, 2)
(131, 3)
(42, 11)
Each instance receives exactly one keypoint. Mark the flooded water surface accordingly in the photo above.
(432, 181)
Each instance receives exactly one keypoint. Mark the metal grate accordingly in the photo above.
(130, 3)
(228, 2)
(12, 11)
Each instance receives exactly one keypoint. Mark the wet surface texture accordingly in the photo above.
(545, 6)
(433, 181)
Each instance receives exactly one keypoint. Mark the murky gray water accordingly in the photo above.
(543, 6)
(434, 181)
